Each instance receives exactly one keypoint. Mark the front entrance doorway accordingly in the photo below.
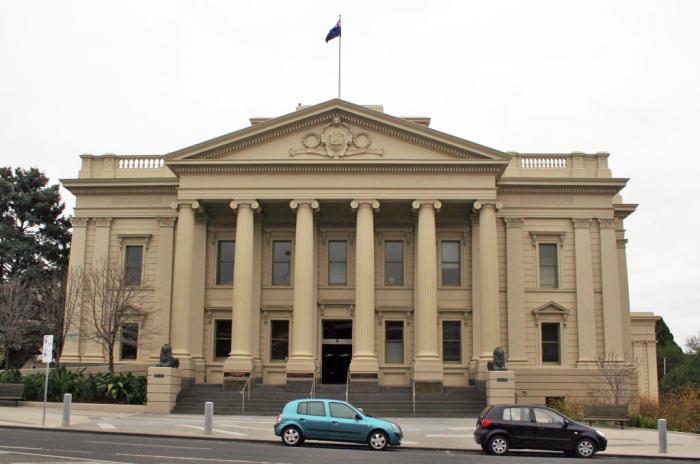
(336, 350)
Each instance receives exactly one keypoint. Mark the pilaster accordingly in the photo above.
(585, 302)
(164, 279)
(515, 291)
(76, 264)
(476, 290)
(93, 351)
(612, 311)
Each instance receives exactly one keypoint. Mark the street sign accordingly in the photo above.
(47, 349)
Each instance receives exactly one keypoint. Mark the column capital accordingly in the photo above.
(294, 204)
(581, 223)
(103, 222)
(513, 223)
(166, 221)
(606, 223)
(482, 204)
(418, 204)
(194, 204)
(80, 221)
(355, 204)
(252, 204)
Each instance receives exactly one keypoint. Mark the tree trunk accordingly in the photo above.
(110, 355)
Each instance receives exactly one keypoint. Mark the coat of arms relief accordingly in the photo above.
(336, 140)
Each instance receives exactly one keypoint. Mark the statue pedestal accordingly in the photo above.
(500, 387)
(164, 384)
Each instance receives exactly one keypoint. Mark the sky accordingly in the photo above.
(150, 77)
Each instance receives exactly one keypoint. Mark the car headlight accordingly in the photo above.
(396, 427)
(600, 433)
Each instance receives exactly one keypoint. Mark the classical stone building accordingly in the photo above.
(340, 239)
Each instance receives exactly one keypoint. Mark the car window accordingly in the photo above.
(342, 411)
(545, 416)
(516, 414)
(311, 408)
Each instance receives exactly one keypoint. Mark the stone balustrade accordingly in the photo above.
(110, 166)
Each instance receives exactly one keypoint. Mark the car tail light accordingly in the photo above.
(485, 423)
(278, 419)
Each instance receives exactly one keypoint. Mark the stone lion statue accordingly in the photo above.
(499, 360)
(166, 357)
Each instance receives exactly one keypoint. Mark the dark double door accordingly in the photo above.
(336, 350)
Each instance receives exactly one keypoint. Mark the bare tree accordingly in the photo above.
(18, 326)
(59, 301)
(692, 344)
(615, 377)
(109, 302)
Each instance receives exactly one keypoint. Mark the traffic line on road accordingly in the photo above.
(241, 461)
(142, 444)
(447, 436)
(227, 432)
(106, 426)
(82, 460)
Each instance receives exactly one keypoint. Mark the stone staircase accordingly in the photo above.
(268, 400)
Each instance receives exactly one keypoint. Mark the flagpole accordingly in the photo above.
(340, 40)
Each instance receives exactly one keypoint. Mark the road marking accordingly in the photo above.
(20, 447)
(84, 460)
(461, 428)
(266, 429)
(243, 461)
(406, 442)
(141, 444)
(106, 426)
(227, 432)
(447, 436)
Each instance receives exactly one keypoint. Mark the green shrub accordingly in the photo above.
(570, 408)
(10, 376)
(643, 422)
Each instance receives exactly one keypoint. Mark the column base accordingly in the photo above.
(237, 371)
(428, 375)
(300, 374)
(364, 374)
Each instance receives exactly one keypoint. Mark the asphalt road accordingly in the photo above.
(51, 446)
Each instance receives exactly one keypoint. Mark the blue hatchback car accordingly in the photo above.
(334, 420)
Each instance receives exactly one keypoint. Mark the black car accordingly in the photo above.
(520, 426)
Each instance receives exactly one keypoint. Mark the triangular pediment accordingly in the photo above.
(551, 308)
(335, 130)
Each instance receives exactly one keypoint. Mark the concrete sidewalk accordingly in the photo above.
(446, 433)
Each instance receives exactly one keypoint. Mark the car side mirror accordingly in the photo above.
(565, 425)
(358, 417)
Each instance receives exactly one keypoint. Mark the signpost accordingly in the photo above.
(46, 358)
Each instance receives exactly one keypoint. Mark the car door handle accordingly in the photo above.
(335, 422)
(301, 419)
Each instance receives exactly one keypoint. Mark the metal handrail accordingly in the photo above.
(244, 390)
(413, 384)
(312, 392)
(347, 387)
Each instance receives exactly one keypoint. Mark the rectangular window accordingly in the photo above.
(281, 262)
(222, 338)
(516, 414)
(279, 340)
(551, 342)
(337, 262)
(393, 263)
(452, 341)
(549, 264)
(311, 408)
(134, 265)
(393, 352)
(129, 346)
(224, 267)
(451, 269)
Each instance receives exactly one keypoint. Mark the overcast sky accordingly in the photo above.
(538, 76)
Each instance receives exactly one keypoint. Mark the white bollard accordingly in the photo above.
(208, 417)
(663, 441)
(67, 400)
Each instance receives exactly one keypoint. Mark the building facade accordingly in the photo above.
(340, 243)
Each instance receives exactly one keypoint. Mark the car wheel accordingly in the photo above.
(585, 448)
(498, 445)
(378, 440)
(291, 436)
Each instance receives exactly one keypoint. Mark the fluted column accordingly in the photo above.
(182, 285)
(301, 365)
(585, 298)
(488, 280)
(364, 357)
(516, 290)
(612, 311)
(428, 365)
(240, 360)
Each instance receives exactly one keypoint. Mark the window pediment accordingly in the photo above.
(550, 311)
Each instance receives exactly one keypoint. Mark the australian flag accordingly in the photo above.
(333, 33)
